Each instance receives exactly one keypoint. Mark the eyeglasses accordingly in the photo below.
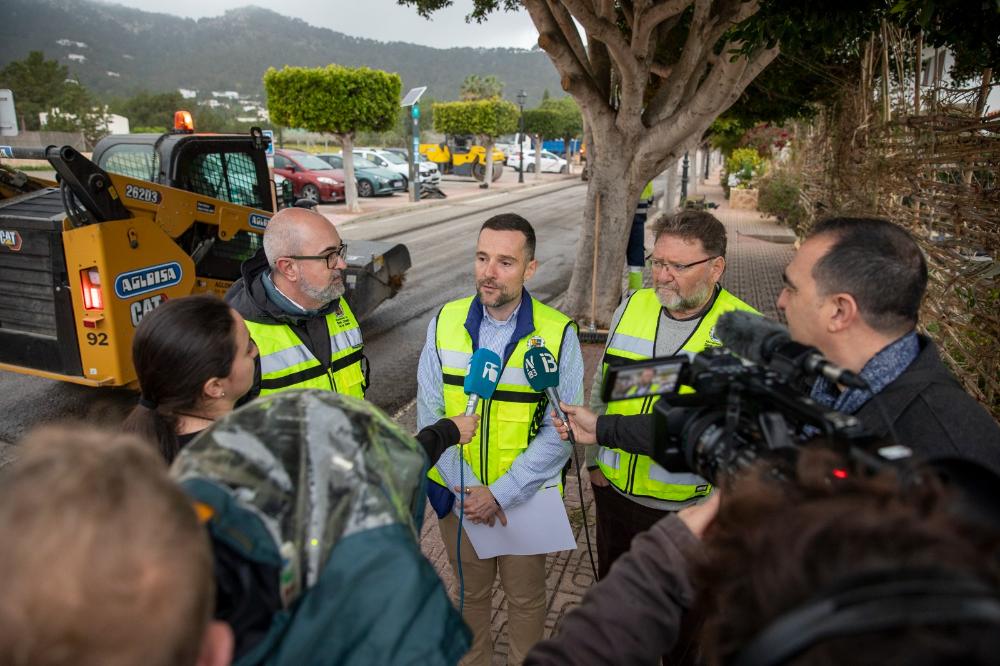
(330, 257)
(676, 268)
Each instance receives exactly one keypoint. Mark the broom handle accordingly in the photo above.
(593, 273)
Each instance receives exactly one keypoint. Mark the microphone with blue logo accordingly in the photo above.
(542, 371)
(482, 378)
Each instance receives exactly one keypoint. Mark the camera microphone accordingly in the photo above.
(768, 343)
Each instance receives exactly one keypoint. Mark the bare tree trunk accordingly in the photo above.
(670, 192)
(984, 92)
(350, 184)
(916, 69)
(886, 108)
(538, 156)
(618, 200)
(488, 142)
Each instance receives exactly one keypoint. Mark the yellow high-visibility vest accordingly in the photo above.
(634, 339)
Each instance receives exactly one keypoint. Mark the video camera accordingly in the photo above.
(741, 410)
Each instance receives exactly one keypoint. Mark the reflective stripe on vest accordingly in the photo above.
(512, 417)
(286, 363)
(634, 339)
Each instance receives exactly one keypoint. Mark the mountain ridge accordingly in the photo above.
(129, 50)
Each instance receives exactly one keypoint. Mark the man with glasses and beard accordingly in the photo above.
(291, 298)
(677, 315)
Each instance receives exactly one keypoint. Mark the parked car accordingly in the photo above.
(428, 172)
(372, 180)
(551, 163)
(310, 177)
(508, 150)
(405, 154)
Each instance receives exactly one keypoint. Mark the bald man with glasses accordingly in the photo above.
(678, 314)
(291, 298)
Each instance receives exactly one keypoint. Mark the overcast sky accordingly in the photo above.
(375, 19)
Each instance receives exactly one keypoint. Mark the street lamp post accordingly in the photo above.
(684, 179)
(522, 97)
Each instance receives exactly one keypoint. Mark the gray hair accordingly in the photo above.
(282, 237)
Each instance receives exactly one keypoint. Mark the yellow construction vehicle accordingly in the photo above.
(82, 263)
(460, 156)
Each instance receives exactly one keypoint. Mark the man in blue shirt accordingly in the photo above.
(517, 450)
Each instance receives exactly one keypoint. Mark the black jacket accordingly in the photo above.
(932, 414)
(247, 296)
(437, 437)
(633, 615)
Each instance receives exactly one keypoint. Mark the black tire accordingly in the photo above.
(479, 171)
(309, 192)
(406, 183)
(497, 171)
(365, 189)
(530, 168)
(564, 169)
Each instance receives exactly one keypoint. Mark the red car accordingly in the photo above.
(310, 177)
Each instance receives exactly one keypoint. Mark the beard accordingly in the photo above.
(673, 300)
(326, 294)
(500, 298)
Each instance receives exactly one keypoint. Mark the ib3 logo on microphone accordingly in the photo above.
(491, 372)
(544, 359)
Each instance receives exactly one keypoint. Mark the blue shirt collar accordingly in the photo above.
(523, 316)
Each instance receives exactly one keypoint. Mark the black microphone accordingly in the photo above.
(768, 343)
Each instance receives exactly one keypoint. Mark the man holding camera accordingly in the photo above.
(853, 291)
(678, 314)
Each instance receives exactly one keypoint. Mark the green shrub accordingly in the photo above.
(778, 195)
(744, 161)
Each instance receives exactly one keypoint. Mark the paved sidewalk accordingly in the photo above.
(759, 249)
(458, 189)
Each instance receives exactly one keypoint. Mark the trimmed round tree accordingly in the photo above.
(339, 100)
(486, 119)
(541, 123)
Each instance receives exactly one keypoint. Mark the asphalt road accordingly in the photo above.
(441, 242)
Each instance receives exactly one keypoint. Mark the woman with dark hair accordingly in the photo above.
(194, 359)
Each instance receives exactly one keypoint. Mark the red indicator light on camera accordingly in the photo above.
(840, 473)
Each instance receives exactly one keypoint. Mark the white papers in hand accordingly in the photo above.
(537, 526)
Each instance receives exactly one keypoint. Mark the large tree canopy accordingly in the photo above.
(651, 76)
(44, 86)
